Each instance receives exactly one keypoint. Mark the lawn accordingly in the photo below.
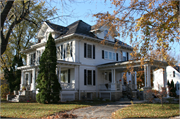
(147, 110)
(36, 110)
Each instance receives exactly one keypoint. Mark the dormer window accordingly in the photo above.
(106, 34)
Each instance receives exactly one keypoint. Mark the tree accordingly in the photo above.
(11, 17)
(150, 25)
(4, 87)
(47, 81)
(14, 12)
(22, 37)
(172, 89)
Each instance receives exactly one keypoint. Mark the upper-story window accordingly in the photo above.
(124, 56)
(89, 51)
(106, 34)
(32, 58)
(109, 55)
(173, 73)
(64, 50)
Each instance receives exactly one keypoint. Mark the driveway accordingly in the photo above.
(103, 111)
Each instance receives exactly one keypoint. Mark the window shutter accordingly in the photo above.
(71, 49)
(84, 76)
(61, 51)
(102, 54)
(68, 75)
(110, 77)
(64, 52)
(85, 50)
(93, 51)
(127, 56)
(116, 56)
(94, 78)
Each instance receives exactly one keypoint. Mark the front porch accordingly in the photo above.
(118, 77)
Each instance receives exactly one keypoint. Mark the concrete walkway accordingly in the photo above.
(103, 111)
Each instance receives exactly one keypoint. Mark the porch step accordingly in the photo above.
(15, 99)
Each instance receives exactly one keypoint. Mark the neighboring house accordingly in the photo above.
(173, 73)
(80, 56)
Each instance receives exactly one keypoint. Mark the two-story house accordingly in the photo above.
(81, 62)
(173, 73)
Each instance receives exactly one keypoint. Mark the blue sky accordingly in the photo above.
(84, 9)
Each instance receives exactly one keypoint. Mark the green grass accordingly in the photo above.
(36, 110)
(147, 110)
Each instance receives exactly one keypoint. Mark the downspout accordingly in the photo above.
(79, 67)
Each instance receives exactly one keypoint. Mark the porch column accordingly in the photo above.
(122, 78)
(148, 76)
(29, 78)
(145, 75)
(33, 84)
(164, 77)
(114, 77)
(22, 79)
(113, 87)
(59, 74)
(135, 80)
(76, 78)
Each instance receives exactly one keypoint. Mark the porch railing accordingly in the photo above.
(68, 86)
(118, 86)
(106, 86)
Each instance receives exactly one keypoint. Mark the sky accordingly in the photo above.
(70, 12)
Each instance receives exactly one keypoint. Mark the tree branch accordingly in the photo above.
(5, 11)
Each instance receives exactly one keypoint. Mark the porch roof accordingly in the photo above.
(136, 65)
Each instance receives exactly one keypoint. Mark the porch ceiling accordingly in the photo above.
(136, 65)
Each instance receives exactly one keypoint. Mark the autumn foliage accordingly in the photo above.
(150, 24)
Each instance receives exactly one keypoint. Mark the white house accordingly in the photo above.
(173, 73)
(85, 67)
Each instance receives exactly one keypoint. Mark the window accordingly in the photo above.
(124, 56)
(106, 34)
(114, 56)
(89, 77)
(173, 73)
(58, 49)
(110, 55)
(89, 51)
(26, 79)
(105, 54)
(65, 76)
(32, 58)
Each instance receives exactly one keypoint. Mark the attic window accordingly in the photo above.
(106, 34)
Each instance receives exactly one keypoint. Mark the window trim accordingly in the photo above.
(107, 57)
(86, 51)
(86, 77)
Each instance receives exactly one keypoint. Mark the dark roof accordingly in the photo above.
(79, 27)
(111, 63)
(57, 27)
(177, 68)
